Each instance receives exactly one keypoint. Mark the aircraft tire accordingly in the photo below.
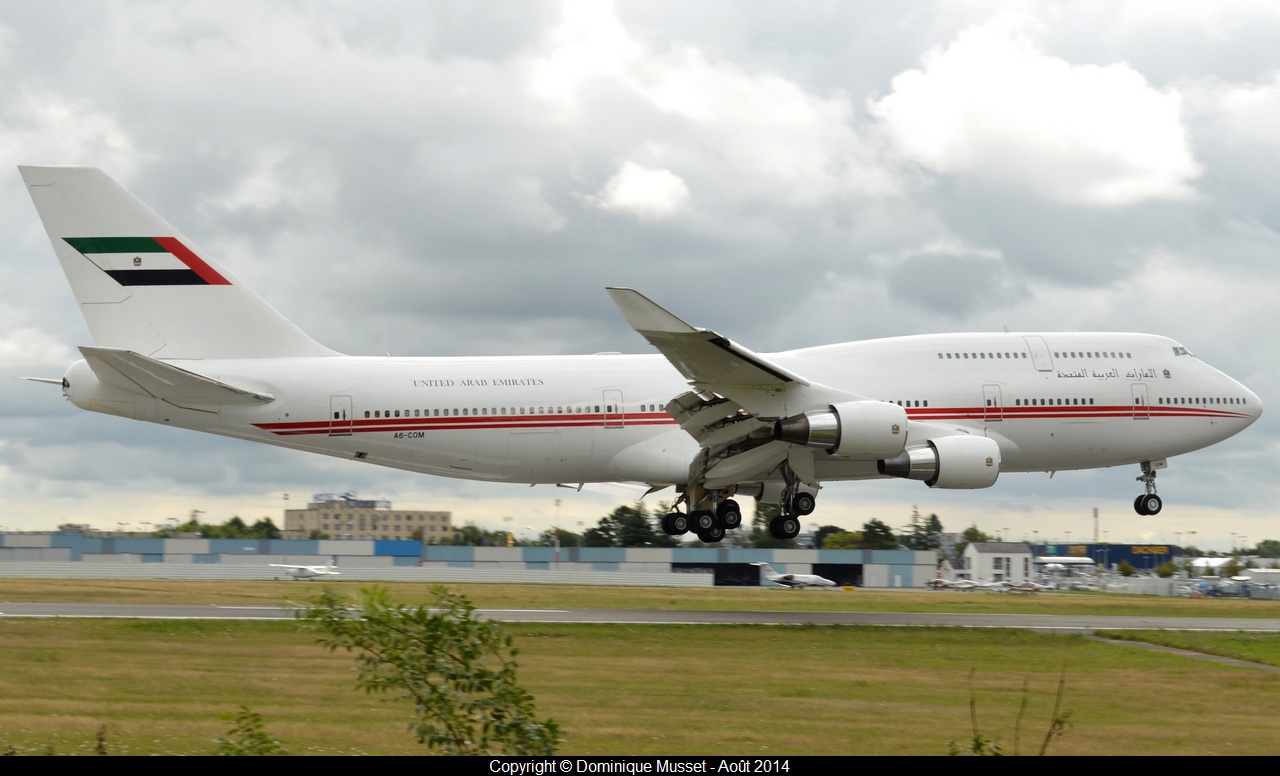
(784, 527)
(702, 520)
(675, 524)
(1151, 504)
(712, 535)
(729, 515)
(803, 504)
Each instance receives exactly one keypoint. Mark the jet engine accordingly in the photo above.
(859, 430)
(948, 462)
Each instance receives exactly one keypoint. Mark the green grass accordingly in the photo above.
(1254, 647)
(172, 687)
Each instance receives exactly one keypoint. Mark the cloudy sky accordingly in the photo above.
(464, 178)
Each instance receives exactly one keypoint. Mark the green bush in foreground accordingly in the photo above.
(248, 738)
(459, 671)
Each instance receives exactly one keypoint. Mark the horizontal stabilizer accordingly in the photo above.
(134, 372)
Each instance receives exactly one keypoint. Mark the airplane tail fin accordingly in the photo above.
(144, 287)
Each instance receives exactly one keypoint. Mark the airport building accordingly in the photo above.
(343, 516)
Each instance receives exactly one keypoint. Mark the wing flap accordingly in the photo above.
(135, 372)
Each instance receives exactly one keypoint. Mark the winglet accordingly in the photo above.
(645, 315)
(705, 358)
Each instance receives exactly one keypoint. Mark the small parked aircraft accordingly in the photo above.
(307, 572)
(794, 580)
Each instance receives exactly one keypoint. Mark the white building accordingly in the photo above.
(998, 562)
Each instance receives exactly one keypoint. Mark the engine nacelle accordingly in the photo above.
(948, 462)
(859, 430)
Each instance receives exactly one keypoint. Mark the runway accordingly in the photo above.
(1039, 622)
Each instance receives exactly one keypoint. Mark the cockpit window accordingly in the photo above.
(1178, 350)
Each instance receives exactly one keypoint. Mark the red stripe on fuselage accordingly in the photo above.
(510, 422)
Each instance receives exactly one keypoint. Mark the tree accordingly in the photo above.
(1267, 548)
(457, 670)
(842, 540)
(922, 533)
(878, 536)
(605, 534)
(820, 535)
(1126, 569)
(1232, 567)
(567, 538)
(263, 529)
(1166, 569)
(472, 535)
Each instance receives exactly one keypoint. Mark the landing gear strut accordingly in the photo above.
(1148, 503)
(795, 504)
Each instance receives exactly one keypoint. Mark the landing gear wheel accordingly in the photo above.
(675, 524)
(803, 504)
(1150, 504)
(729, 515)
(784, 527)
(701, 520)
(712, 535)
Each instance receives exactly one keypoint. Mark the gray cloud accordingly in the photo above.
(432, 180)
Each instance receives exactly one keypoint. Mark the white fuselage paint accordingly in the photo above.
(1051, 402)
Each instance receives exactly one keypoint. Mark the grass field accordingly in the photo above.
(174, 686)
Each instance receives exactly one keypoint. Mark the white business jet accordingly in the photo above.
(180, 342)
(307, 572)
(793, 580)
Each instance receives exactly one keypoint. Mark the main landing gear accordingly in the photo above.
(797, 505)
(1148, 503)
(712, 513)
(707, 524)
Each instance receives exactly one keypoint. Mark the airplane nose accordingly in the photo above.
(1253, 404)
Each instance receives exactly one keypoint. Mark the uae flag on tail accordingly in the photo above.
(147, 261)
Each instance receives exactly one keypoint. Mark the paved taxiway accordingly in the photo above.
(1061, 623)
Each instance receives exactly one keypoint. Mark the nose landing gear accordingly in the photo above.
(1149, 503)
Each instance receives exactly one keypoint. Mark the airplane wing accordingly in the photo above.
(134, 372)
(737, 397)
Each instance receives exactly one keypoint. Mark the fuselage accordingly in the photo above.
(1051, 402)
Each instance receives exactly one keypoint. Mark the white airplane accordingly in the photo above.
(951, 584)
(794, 580)
(306, 572)
(180, 342)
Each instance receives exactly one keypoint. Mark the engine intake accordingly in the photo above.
(859, 430)
(948, 462)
